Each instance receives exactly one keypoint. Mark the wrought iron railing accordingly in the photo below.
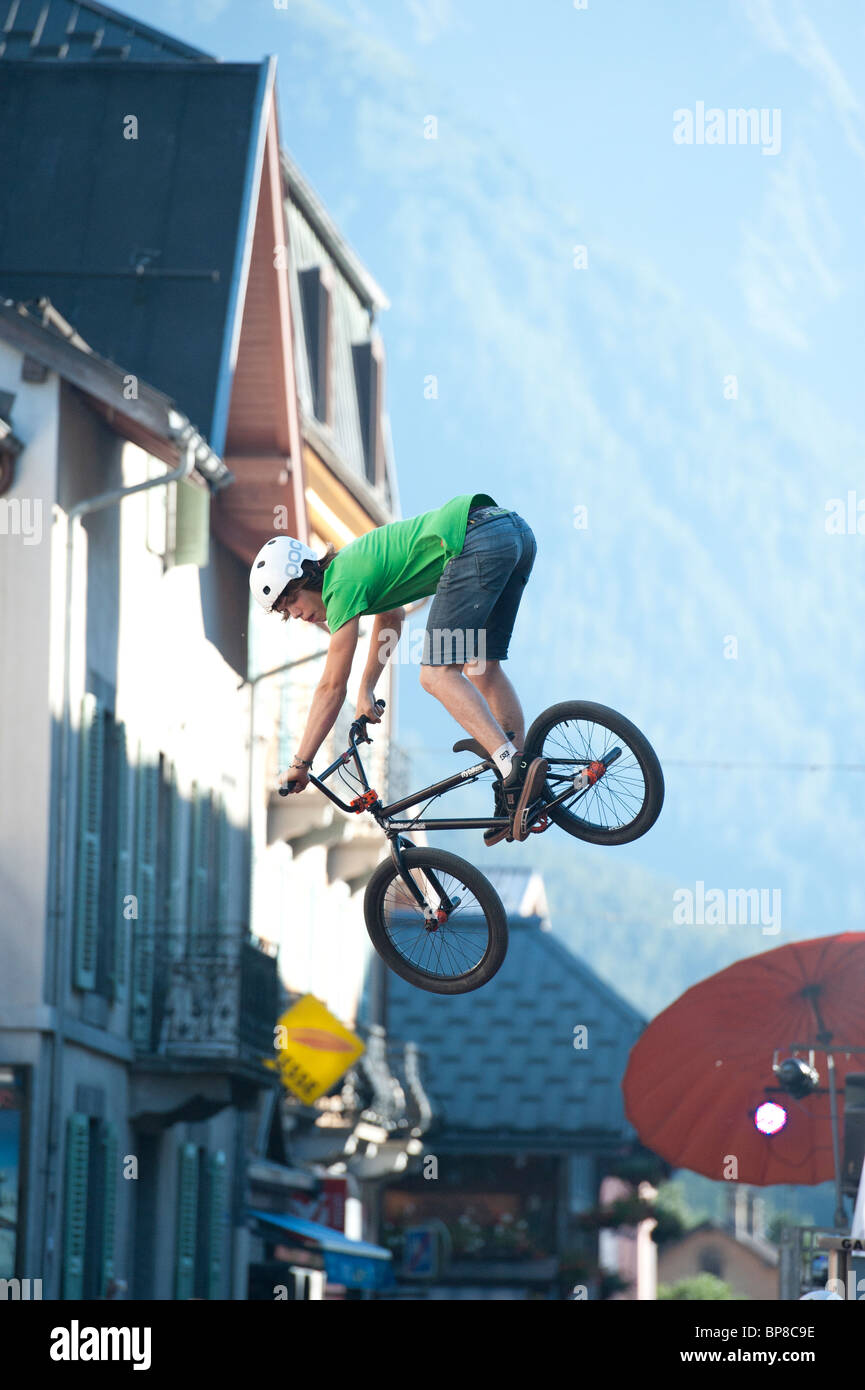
(218, 1004)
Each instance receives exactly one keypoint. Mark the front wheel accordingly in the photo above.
(453, 947)
(621, 789)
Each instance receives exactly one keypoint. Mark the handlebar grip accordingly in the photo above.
(379, 704)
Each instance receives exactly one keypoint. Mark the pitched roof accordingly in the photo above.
(79, 30)
(500, 1065)
(138, 241)
(149, 418)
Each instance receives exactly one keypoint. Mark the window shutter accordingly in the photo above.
(315, 301)
(147, 788)
(110, 1146)
(75, 1212)
(92, 752)
(176, 881)
(368, 380)
(123, 885)
(187, 1221)
(192, 525)
(222, 875)
(216, 1194)
(199, 864)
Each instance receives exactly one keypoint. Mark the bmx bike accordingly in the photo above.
(433, 917)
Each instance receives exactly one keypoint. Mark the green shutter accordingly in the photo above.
(110, 1146)
(92, 752)
(176, 882)
(199, 865)
(221, 869)
(123, 885)
(147, 788)
(187, 1222)
(75, 1205)
(192, 525)
(216, 1193)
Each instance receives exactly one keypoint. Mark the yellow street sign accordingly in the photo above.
(313, 1049)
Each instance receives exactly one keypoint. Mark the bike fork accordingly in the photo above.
(434, 916)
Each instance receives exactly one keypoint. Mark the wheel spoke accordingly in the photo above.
(449, 950)
(616, 799)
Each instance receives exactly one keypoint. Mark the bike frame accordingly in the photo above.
(384, 816)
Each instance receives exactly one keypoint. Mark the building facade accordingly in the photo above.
(161, 904)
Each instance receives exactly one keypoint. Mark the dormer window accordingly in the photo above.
(315, 299)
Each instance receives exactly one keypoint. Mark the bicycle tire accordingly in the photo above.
(569, 711)
(486, 896)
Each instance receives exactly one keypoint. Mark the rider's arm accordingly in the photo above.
(382, 644)
(331, 690)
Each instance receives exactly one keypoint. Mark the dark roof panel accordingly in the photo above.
(133, 240)
(501, 1061)
(79, 30)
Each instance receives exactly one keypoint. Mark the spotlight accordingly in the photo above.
(796, 1077)
(770, 1118)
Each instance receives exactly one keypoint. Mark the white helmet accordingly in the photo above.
(278, 561)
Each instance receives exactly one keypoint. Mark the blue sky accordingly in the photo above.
(603, 387)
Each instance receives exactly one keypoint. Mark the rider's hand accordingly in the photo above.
(366, 704)
(295, 778)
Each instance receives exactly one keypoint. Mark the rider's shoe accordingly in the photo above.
(514, 796)
(521, 787)
(497, 833)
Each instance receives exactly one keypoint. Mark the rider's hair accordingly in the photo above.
(311, 579)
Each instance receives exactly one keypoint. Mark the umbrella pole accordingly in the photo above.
(840, 1215)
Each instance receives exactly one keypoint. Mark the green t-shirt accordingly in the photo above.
(397, 563)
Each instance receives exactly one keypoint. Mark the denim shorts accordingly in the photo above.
(475, 604)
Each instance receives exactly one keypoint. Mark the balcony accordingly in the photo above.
(220, 1005)
(211, 1027)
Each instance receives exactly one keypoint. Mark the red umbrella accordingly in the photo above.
(704, 1065)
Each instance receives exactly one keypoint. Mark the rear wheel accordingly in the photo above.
(623, 789)
(453, 949)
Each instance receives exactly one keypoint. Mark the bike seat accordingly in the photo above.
(471, 745)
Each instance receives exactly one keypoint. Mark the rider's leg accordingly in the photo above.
(465, 703)
(489, 679)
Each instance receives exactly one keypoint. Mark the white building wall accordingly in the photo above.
(142, 631)
(25, 723)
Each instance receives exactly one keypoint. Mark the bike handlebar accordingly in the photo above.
(360, 723)
(358, 727)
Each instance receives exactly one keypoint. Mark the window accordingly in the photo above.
(315, 301)
(368, 379)
(711, 1261)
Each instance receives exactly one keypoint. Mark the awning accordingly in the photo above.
(354, 1263)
